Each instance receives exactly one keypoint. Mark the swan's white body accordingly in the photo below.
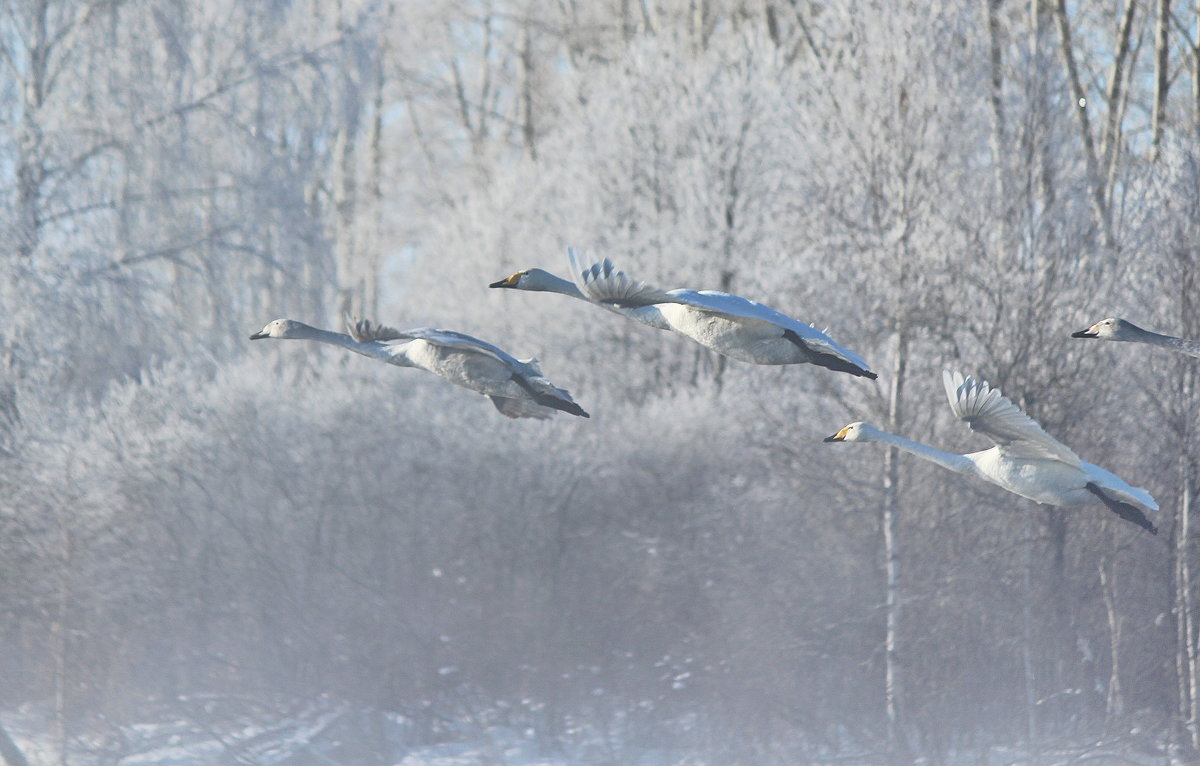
(1026, 460)
(517, 388)
(729, 324)
(1124, 330)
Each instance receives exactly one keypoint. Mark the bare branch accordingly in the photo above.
(1161, 74)
(1113, 98)
(1079, 97)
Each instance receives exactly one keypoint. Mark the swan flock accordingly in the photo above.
(1023, 460)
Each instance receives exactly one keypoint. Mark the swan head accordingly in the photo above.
(281, 328)
(1109, 329)
(855, 432)
(529, 279)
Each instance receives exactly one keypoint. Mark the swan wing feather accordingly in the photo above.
(460, 341)
(747, 311)
(988, 411)
(366, 331)
(604, 283)
(528, 374)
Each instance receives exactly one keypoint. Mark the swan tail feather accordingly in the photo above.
(826, 359)
(1126, 511)
(548, 396)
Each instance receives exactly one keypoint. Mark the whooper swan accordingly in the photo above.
(1120, 329)
(517, 388)
(1026, 460)
(728, 324)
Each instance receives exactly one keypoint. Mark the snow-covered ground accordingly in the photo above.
(225, 732)
(322, 733)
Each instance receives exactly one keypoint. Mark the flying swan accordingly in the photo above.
(1120, 329)
(728, 324)
(1026, 460)
(517, 388)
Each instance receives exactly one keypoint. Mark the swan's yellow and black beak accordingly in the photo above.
(840, 436)
(1088, 333)
(258, 335)
(508, 281)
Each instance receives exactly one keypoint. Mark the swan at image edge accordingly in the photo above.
(1114, 328)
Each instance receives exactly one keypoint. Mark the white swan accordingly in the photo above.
(728, 324)
(1121, 329)
(1026, 460)
(517, 388)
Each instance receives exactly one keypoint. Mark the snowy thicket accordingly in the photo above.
(186, 514)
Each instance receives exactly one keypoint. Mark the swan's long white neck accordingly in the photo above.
(950, 460)
(373, 349)
(549, 283)
(1183, 345)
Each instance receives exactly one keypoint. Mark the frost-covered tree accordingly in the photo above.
(185, 514)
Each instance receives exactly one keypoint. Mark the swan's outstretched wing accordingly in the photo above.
(457, 340)
(605, 284)
(521, 408)
(989, 412)
(366, 331)
(748, 311)
(527, 375)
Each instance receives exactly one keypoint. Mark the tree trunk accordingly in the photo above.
(1116, 110)
(647, 26)
(1038, 162)
(1187, 660)
(1114, 703)
(1196, 72)
(373, 248)
(733, 192)
(31, 170)
(1079, 96)
(350, 286)
(892, 690)
(995, 64)
(60, 639)
(1161, 75)
(771, 16)
(1027, 637)
(528, 133)
(696, 20)
(727, 276)
(346, 203)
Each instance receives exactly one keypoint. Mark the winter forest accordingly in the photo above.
(230, 541)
